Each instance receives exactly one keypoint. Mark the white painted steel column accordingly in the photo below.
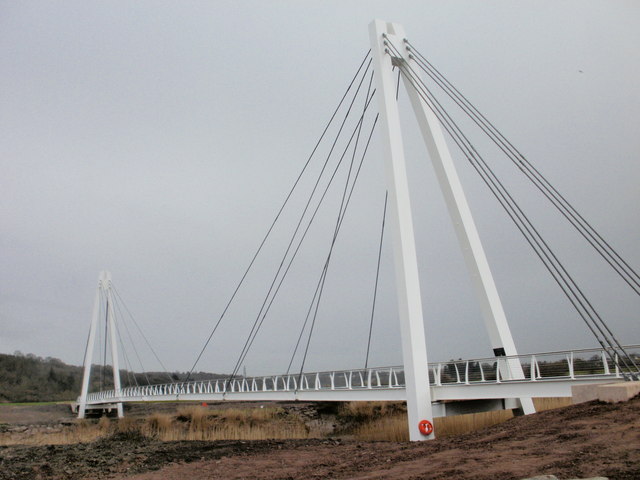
(114, 345)
(460, 213)
(414, 349)
(88, 354)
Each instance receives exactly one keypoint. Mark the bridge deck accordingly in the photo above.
(545, 375)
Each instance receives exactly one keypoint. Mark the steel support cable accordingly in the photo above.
(375, 288)
(306, 320)
(141, 332)
(341, 213)
(318, 285)
(615, 261)
(106, 337)
(120, 315)
(102, 350)
(315, 305)
(323, 279)
(129, 368)
(591, 235)
(86, 347)
(295, 184)
(122, 347)
(470, 152)
(367, 100)
(599, 323)
(559, 201)
(585, 304)
(344, 202)
(99, 339)
(135, 350)
(266, 306)
(258, 322)
(286, 272)
(320, 280)
(133, 345)
(302, 216)
(317, 298)
(282, 207)
(501, 192)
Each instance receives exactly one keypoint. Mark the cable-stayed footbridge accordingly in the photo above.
(506, 376)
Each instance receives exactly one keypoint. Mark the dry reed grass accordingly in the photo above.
(238, 432)
(253, 414)
(369, 410)
(197, 415)
(188, 423)
(81, 432)
(376, 421)
(157, 425)
(388, 429)
(378, 426)
(471, 422)
(200, 423)
(104, 424)
(395, 429)
(127, 425)
(549, 403)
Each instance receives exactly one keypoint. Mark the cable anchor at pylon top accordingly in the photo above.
(391, 41)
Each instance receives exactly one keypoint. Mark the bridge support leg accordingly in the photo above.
(465, 228)
(414, 349)
(114, 348)
(88, 354)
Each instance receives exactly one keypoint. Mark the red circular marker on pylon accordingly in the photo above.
(425, 427)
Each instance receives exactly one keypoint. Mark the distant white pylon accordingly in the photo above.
(103, 291)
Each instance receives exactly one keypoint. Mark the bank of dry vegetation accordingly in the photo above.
(579, 441)
(367, 421)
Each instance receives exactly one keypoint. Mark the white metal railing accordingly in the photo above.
(386, 377)
(536, 367)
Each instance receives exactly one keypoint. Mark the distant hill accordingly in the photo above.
(29, 378)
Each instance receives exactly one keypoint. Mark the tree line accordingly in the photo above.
(29, 378)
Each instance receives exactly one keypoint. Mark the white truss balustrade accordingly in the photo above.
(545, 374)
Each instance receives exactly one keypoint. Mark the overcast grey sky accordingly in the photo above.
(158, 139)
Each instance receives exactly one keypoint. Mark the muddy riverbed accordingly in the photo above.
(579, 441)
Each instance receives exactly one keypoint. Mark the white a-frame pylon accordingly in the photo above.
(103, 294)
(384, 35)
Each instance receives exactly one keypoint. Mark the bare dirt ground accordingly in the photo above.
(580, 441)
(34, 414)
